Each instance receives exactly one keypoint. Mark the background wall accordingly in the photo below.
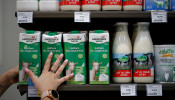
(0, 32)
(9, 33)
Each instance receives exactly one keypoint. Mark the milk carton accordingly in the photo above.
(29, 54)
(74, 50)
(99, 57)
(49, 5)
(51, 42)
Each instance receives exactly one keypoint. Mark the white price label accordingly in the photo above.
(128, 90)
(81, 16)
(33, 92)
(25, 17)
(154, 89)
(159, 16)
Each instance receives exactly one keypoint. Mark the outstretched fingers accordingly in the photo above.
(60, 70)
(31, 75)
(63, 79)
(57, 62)
(47, 63)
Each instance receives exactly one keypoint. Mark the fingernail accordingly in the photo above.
(50, 54)
(61, 55)
(72, 74)
(66, 61)
(26, 70)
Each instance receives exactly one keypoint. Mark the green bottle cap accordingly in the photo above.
(98, 31)
(30, 31)
(75, 32)
(52, 33)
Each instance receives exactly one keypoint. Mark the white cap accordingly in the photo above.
(122, 23)
(143, 23)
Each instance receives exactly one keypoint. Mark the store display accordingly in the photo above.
(91, 5)
(51, 42)
(49, 5)
(165, 63)
(156, 5)
(74, 50)
(172, 5)
(111, 4)
(70, 5)
(29, 54)
(122, 51)
(143, 55)
(99, 57)
(132, 4)
(27, 5)
(134, 35)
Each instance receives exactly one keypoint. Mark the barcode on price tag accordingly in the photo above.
(25, 17)
(154, 89)
(32, 91)
(82, 17)
(128, 90)
(159, 16)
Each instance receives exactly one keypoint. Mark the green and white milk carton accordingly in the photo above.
(29, 54)
(99, 70)
(51, 42)
(74, 50)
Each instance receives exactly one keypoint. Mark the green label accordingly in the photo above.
(74, 49)
(29, 56)
(99, 59)
(51, 44)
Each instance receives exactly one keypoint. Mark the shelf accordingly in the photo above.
(100, 14)
(87, 87)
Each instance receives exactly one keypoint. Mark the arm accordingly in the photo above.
(7, 79)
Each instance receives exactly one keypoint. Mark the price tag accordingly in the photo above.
(82, 17)
(25, 17)
(128, 90)
(32, 91)
(159, 16)
(154, 89)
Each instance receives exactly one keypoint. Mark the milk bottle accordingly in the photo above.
(135, 31)
(27, 5)
(49, 5)
(143, 55)
(122, 51)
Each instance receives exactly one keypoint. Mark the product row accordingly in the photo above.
(88, 5)
(89, 55)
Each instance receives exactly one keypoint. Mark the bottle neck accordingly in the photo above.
(143, 28)
(122, 28)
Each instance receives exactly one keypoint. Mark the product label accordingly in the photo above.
(156, 4)
(29, 56)
(94, 2)
(122, 65)
(51, 44)
(111, 2)
(74, 49)
(70, 2)
(99, 58)
(165, 64)
(132, 2)
(143, 65)
(172, 5)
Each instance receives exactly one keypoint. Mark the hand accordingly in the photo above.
(12, 74)
(49, 80)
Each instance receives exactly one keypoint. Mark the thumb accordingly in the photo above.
(31, 74)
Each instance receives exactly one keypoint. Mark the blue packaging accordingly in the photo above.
(172, 5)
(156, 5)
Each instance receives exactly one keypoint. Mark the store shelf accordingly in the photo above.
(111, 87)
(100, 14)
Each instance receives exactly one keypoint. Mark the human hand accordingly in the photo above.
(49, 80)
(12, 74)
